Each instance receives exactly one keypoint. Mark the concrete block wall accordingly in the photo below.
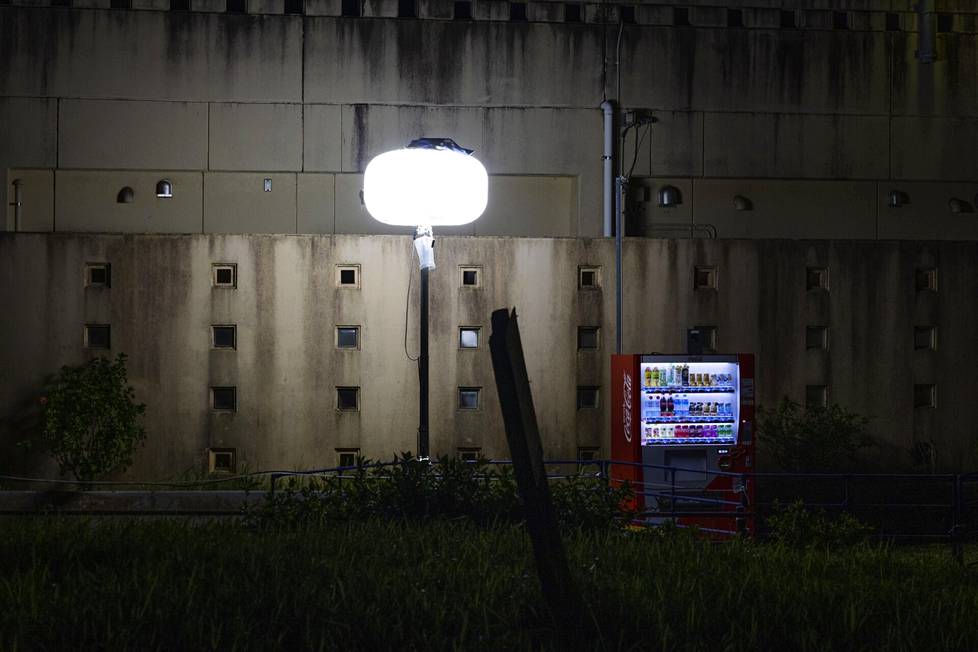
(199, 92)
(287, 303)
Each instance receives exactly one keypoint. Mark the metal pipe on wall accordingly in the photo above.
(17, 203)
(607, 158)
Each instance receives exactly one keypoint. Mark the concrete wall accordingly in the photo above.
(287, 304)
(824, 105)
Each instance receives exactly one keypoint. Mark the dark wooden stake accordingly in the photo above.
(519, 418)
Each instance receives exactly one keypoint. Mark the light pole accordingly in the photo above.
(431, 182)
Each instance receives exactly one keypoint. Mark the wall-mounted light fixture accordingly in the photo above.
(267, 185)
(125, 196)
(741, 203)
(897, 198)
(164, 189)
(669, 196)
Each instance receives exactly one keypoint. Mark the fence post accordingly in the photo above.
(845, 493)
(741, 519)
(957, 544)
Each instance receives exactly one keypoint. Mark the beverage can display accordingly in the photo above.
(671, 406)
(648, 377)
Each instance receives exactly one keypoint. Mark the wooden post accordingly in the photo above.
(519, 418)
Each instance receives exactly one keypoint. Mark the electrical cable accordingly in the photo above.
(407, 304)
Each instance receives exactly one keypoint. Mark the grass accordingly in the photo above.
(70, 583)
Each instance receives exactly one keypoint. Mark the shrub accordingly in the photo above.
(813, 439)
(797, 526)
(90, 420)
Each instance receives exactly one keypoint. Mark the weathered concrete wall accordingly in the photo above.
(772, 92)
(287, 304)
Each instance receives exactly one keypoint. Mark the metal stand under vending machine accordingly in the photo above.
(682, 436)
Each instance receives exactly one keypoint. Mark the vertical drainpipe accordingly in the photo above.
(926, 52)
(607, 159)
(17, 203)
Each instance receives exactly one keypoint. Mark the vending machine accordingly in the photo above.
(682, 436)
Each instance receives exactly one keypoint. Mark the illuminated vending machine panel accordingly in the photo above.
(688, 403)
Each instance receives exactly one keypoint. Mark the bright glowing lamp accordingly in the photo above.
(431, 182)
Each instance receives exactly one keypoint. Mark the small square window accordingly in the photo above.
(468, 398)
(572, 12)
(470, 276)
(98, 336)
(517, 11)
(348, 337)
(350, 8)
(468, 337)
(735, 18)
(925, 279)
(704, 278)
(925, 337)
(840, 20)
(627, 14)
(816, 396)
(587, 453)
(224, 337)
(236, 7)
(224, 275)
(348, 399)
(469, 454)
(589, 277)
(587, 338)
(816, 337)
(587, 398)
(224, 399)
(925, 396)
(787, 19)
(221, 460)
(347, 457)
(120, 4)
(945, 22)
(892, 22)
(179, 5)
(348, 276)
(680, 16)
(98, 275)
(817, 278)
(291, 7)
(406, 9)
(708, 336)
(463, 10)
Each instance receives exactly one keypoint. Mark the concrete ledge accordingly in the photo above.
(129, 502)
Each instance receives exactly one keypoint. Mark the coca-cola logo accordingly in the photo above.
(626, 407)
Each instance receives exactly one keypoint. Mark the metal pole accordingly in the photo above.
(620, 185)
(423, 370)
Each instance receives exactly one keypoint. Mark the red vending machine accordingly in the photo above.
(683, 427)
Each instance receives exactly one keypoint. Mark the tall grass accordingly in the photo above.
(68, 583)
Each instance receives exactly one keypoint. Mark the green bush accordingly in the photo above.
(813, 439)
(450, 488)
(90, 420)
(797, 526)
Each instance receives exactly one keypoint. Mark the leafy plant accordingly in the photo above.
(813, 439)
(797, 526)
(90, 420)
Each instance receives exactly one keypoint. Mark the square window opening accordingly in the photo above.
(680, 16)
(98, 336)
(817, 278)
(587, 338)
(925, 396)
(470, 276)
(468, 398)
(347, 457)
(627, 14)
(221, 460)
(120, 4)
(293, 7)
(517, 11)
(840, 20)
(708, 336)
(589, 277)
(704, 277)
(586, 456)
(945, 22)
(925, 337)
(348, 337)
(816, 337)
(224, 399)
(463, 10)
(236, 7)
(469, 454)
(892, 22)
(59, 3)
(348, 276)
(348, 399)
(587, 398)
(98, 275)
(787, 19)
(224, 275)
(468, 337)
(351, 8)
(925, 279)
(572, 12)
(406, 9)
(179, 5)
(816, 396)
(224, 337)
(735, 18)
